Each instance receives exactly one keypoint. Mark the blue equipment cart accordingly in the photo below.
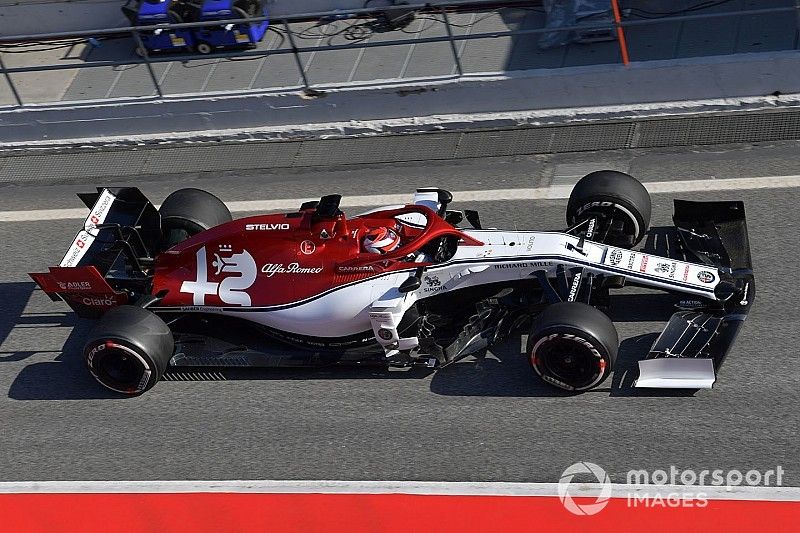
(206, 39)
(153, 12)
(210, 38)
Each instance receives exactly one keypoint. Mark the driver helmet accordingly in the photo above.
(381, 240)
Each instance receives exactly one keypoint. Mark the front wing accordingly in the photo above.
(697, 339)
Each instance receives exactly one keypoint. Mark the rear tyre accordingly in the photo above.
(618, 200)
(187, 212)
(129, 350)
(572, 346)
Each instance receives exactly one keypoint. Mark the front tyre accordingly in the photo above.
(129, 350)
(572, 346)
(618, 201)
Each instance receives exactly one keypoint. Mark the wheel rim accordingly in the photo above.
(119, 368)
(630, 228)
(568, 361)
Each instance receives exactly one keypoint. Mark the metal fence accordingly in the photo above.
(33, 77)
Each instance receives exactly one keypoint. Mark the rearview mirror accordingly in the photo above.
(411, 284)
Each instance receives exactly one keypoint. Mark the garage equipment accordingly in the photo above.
(157, 12)
(203, 40)
(210, 38)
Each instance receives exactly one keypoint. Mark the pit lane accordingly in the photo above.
(486, 420)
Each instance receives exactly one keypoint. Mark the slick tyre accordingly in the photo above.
(572, 346)
(129, 350)
(619, 199)
(187, 212)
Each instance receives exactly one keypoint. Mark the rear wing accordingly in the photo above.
(120, 221)
(697, 338)
(109, 255)
(84, 289)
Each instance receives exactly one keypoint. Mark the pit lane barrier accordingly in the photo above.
(617, 25)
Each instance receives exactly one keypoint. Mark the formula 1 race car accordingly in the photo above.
(185, 285)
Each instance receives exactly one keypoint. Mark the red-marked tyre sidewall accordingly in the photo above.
(572, 346)
(99, 355)
(542, 367)
(129, 349)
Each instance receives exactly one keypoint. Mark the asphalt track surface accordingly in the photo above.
(488, 420)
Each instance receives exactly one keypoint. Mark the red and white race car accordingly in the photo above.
(186, 285)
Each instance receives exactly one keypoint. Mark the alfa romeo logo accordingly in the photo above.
(567, 490)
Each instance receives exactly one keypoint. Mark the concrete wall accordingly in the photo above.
(733, 83)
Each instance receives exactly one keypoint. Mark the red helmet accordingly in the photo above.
(381, 240)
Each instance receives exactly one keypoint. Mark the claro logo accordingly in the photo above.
(99, 302)
(265, 227)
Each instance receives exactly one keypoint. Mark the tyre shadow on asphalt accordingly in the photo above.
(504, 373)
(508, 374)
(631, 351)
(13, 299)
(64, 378)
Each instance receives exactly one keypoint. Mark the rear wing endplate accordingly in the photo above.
(84, 289)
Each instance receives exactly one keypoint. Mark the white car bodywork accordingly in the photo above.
(376, 303)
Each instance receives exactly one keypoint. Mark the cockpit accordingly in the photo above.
(416, 233)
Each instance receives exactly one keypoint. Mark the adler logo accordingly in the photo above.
(265, 227)
(74, 285)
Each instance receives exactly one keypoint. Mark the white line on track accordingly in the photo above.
(558, 192)
(619, 490)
